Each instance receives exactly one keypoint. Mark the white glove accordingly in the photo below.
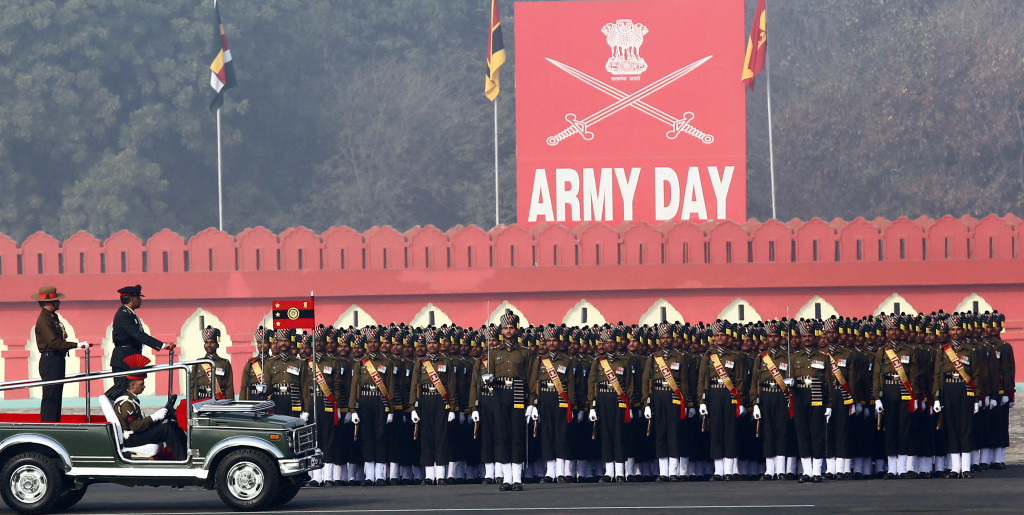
(261, 388)
(743, 410)
(913, 406)
(985, 403)
(304, 416)
(391, 418)
(415, 417)
(355, 418)
(703, 409)
(647, 412)
(532, 413)
(878, 406)
(451, 416)
(992, 403)
(579, 416)
(828, 414)
(348, 418)
(937, 407)
(757, 412)
(159, 415)
(1004, 400)
(690, 412)
(593, 415)
(857, 408)
(463, 417)
(977, 406)
(475, 416)
(1012, 403)
(853, 409)
(83, 345)
(168, 346)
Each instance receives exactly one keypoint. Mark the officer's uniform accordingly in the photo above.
(51, 339)
(128, 337)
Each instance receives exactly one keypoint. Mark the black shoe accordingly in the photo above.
(938, 474)
(791, 476)
(889, 475)
(517, 487)
(830, 476)
(380, 482)
(729, 477)
(605, 479)
(952, 475)
(805, 479)
(967, 475)
(983, 466)
(767, 477)
(880, 475)
(676, 479)
(975, 467)
(428, 482)
(999, 466)
(620, 479)
(858, 476)
(716, 477)
(487, 481)
(395, 481)
(816, 479)
(313, 484)
(499, 480)
(924, 475)
(661, 479)
(632, 479)
(505, 487)
(366, 482)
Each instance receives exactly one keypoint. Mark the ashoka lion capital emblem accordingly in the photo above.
(625, 37)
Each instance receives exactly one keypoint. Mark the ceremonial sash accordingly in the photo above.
(779, 380)
(614, 381)
(258, 369)
(553, 375)
(322, 383)
(213, 382)
(896, 364)
(959, 366)
(378, 382)
(436, 379)
(841, 380)
(667, 374)
(724, 377)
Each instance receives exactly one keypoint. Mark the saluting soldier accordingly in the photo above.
(285, 374)
(552, 391)
(433, 396)
(212, 382)
(722, 391)
(254, 384)
(371, 394)
(665, 393)
(53, 344)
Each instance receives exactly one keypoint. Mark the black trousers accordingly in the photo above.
(666, 424)
(839, 430)
(552, 427)
(51, 366)
(612, 429)
(958, 416)
(775, 422)
(485, 430)
(722, 424)
(372, 420)
(166, 432)
(433, 433)
(507, 425)
(809, 423)
(896, 421)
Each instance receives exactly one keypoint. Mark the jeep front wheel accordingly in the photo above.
(30, 483)
(248, 480)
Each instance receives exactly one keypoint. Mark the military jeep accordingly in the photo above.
(255, 460)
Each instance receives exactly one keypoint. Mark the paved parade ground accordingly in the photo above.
(988, 492)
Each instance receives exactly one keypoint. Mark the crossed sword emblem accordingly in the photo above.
(634, 100)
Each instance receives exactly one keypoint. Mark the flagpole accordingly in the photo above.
(771, 146)
(220, 188)
(496, 216)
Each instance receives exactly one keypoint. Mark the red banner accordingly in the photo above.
(629, 111)
(293, 314)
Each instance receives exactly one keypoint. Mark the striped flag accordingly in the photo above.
(757, 45)
(495, 54)
(223, 76)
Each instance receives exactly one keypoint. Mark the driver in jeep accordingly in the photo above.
(140, 429)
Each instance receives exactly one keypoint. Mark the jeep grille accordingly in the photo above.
(302, 439)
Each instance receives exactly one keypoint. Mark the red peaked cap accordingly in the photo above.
(136, 361)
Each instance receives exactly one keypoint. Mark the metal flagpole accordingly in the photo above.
(220, 188)
(496, 216)
(316, 367)
(771, 147)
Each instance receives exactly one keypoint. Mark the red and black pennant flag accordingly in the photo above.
(223, 76)
(757, 45)
(293, 314)
(495, 54)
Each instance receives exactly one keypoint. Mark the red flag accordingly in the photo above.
(757, 45)
(495, 54)
(293, 314)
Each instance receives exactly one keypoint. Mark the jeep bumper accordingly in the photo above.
(295, 466)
